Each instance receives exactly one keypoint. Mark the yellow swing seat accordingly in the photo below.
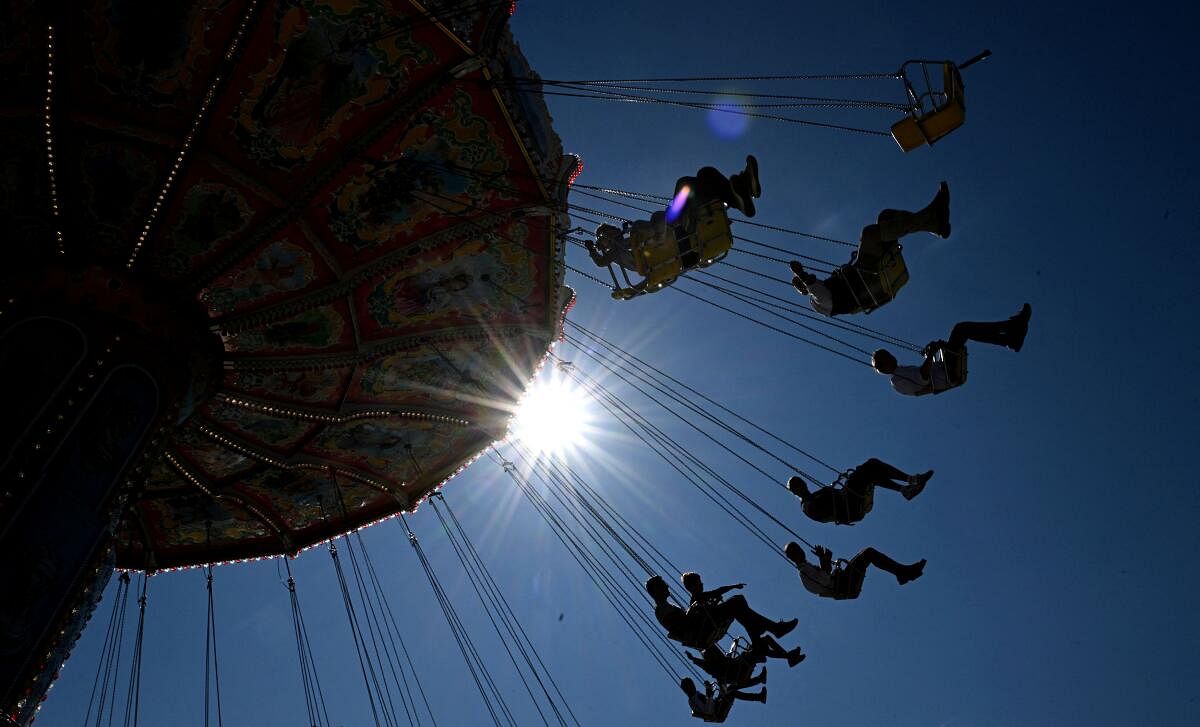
(699, 238)
(947, 105)
(947, 114)
(875, 281)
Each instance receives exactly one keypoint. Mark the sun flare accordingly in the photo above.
(552, 416)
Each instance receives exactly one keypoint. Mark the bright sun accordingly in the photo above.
(552, 416)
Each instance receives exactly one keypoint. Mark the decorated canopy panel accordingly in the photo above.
(366, 214)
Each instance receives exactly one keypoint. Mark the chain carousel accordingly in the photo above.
(275, 271)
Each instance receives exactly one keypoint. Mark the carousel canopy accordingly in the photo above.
(338, 190)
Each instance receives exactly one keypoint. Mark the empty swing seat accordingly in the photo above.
(948, 113)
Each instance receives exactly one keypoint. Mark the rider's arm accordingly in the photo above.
(718, 592)
(599, 258)
(826, 557)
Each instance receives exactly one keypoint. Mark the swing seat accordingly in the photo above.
(911, 132)
(710, 235)
(948, 113)
(745, 665)
(704, 639)
(953, 363)
(842, 507)
(722, 713)
(656, 256)
(876, 281)
(700, 238)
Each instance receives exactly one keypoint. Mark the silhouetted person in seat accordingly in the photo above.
(694, 585)
(945, 364)
(844, 579)
(709, 185)
(762, 645)
(713, 704)
(699, 625)
(851, 287)
(851, 502)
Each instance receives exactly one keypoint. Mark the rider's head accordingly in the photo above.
(657, 588)
(688, 686)
(883, 361)
(797, 487)
(691, 582)
(794, 552)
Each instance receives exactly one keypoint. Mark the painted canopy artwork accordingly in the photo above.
(368, 219)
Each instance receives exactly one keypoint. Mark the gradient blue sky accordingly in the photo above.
(1060, 528)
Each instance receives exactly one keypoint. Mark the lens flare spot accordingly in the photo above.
(727, 120)
(676, 207)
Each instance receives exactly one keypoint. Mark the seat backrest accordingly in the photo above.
(875, 281)
(711, 236)
(701, 236)
(721, 712)
(710, 636)
(892, 272)
(952, 84)
(953, 363)
(656, 256)
(743, 667)
(723, 707)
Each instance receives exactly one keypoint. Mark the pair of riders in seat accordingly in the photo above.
(692, 232)
(705, 621)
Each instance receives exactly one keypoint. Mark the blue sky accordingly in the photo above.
(1061, 525)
